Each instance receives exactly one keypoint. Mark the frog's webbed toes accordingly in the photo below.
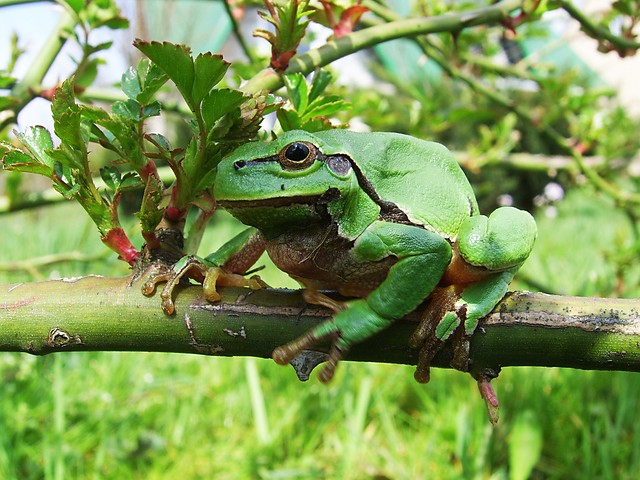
(187, 267)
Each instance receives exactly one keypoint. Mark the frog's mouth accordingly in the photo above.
(274, 215)
(279, 202)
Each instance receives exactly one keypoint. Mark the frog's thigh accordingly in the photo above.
(479, 298)
(498, 242)
(422, 255)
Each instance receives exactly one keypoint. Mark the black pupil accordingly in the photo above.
(297, 152)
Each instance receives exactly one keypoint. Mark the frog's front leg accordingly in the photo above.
(423, 257)
(488, 252)
(225, 267)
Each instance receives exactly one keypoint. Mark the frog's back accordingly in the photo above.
(420, 177)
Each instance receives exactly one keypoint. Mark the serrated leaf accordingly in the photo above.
(86, 76)
(318, 124)
(176, 62)
(319, 84)
(111, 177)
(130, 83)
(151, 78)
(189, 161)
(289, 120)
(99, 47)
(150, 213)
(219, 103)
(66, 116)
(208, 70)
(160, 142)
(37, 140)
(93, 113)
(21, 162)
(151, 110)
(325, 106)
(130, 109)
(298, 91)
(129, 180)
(67, 193)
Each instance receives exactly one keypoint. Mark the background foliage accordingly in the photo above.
(544, 135)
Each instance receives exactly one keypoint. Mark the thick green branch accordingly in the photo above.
(98, 313)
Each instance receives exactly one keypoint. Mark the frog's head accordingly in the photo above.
(292, 181)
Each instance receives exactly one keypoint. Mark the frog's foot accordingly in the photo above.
(193, 267)
(439, 321)
(351, 325)
(186, 267)
(285, 354)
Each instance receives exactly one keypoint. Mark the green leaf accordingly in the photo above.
(67, 193)
(160, 142)
(143, 82)
(289, 120)
(129, 109)
(190, 159)
(8, 102)
(86, 76)
(176, 62)
(325, 106)
(209, 70)
(75, 5)
(130, 83)
(150, 213)
(319, 84)
(219, 103)
(38, 141)
(114, 180)
(66, 116)
(151, 79)
(91, 49)
(6, 81)
(129, 180)
(17, 160)
(298, 91)
(111, 176)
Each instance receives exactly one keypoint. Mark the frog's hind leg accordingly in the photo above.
(453, 313)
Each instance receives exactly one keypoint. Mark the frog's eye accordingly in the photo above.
(297, 155)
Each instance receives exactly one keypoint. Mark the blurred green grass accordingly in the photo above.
(152, 415)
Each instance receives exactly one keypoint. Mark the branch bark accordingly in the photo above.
(102, 313)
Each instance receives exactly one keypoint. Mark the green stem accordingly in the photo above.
(596, 31)
(368, 37)
(99, 313)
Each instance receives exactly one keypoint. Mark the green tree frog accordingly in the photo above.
(386, 219)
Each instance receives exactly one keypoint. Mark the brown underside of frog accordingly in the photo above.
(319, 259)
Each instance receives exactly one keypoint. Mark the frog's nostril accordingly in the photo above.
(239, 164)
